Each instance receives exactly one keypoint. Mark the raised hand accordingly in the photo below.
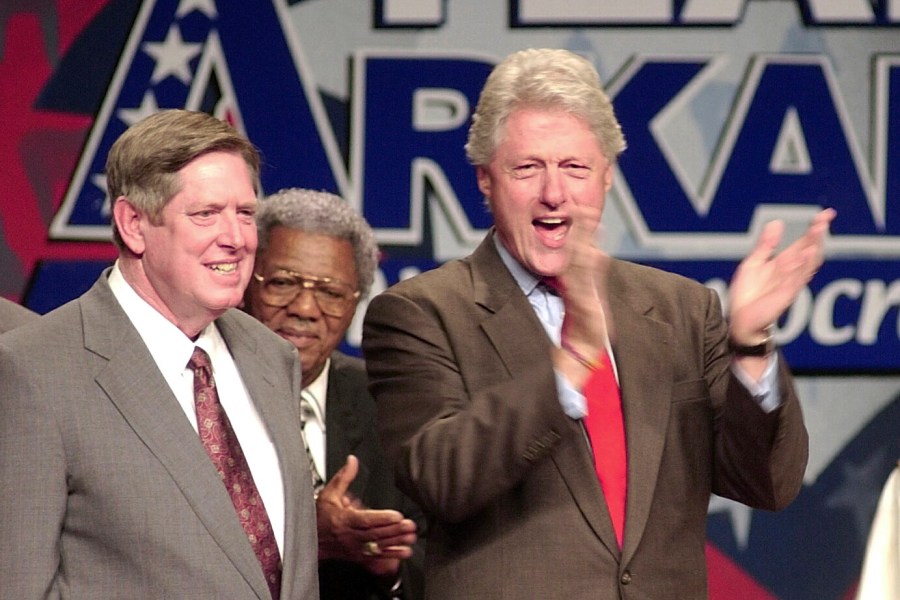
(766, 283)
(347, 530)
(583, 290)
(580, 280)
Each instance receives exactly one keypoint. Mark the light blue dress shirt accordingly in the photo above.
(550, 311)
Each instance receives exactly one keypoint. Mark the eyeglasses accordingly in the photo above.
(334, 297)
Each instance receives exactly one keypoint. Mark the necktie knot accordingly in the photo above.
(310, 411)
(200, 363)
(552, 285)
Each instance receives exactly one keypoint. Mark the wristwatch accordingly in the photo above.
(764, 348)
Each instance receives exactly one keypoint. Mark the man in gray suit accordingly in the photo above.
(109, 490)
(12, 315)
(490, 372)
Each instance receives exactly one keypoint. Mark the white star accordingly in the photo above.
(99, 180)
(148, 106)
(739, 514)
(207, 7)
(864, 476)
(831, 420)
(172, 57)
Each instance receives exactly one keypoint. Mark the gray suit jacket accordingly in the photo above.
(109, 492)
(12, 315)
(468, 411)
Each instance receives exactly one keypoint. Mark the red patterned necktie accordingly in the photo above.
(605, 427)
(225, 452)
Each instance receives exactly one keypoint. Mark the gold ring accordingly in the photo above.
(371, 549)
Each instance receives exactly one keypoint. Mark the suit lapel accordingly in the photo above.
(259, 378)
(516, 339)
(495, 289)
(141, 394)
(344, 430)
(576, 465)
(644, 361)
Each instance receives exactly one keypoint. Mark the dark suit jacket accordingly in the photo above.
(109, 491)
(468, 410)
(350, 426)
(12, 315)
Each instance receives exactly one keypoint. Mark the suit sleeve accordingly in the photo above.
(33, 476)
(760, 457)
(459, 428)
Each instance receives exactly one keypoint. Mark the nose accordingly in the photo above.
(234, 233)
(552, 192)
(304, 305)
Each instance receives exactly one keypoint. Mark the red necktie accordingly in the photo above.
(225, 452)
(606, 430)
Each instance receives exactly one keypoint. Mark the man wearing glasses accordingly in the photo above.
(316, 259)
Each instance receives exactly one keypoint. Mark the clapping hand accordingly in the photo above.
(766, 283)
(347, 530)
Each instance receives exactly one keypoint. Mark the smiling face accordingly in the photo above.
(195, 262)
(545, 161)
(302, 322)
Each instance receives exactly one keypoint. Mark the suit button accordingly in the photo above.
(626, 578)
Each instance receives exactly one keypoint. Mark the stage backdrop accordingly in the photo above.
(735, 112)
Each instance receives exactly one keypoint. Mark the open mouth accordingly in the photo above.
(551, 228)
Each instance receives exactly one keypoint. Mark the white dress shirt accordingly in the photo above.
(171, 350)
(314, 427)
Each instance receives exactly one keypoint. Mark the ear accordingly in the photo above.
(484, 181)
(128, 222)
(608, 177)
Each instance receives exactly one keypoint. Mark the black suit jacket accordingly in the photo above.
(350, 426)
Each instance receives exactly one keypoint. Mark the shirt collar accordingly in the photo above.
(169, 347)
(525, 279)
(319, 390)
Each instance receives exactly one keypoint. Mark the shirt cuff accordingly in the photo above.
(764, 391)
(572, 401)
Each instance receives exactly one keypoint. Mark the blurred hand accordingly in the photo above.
(583, 290)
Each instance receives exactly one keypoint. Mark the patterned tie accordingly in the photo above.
(606, 429)
(223, 449)
(307, 413)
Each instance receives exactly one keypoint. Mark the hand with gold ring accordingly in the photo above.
(371, 549)
(376, 539)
